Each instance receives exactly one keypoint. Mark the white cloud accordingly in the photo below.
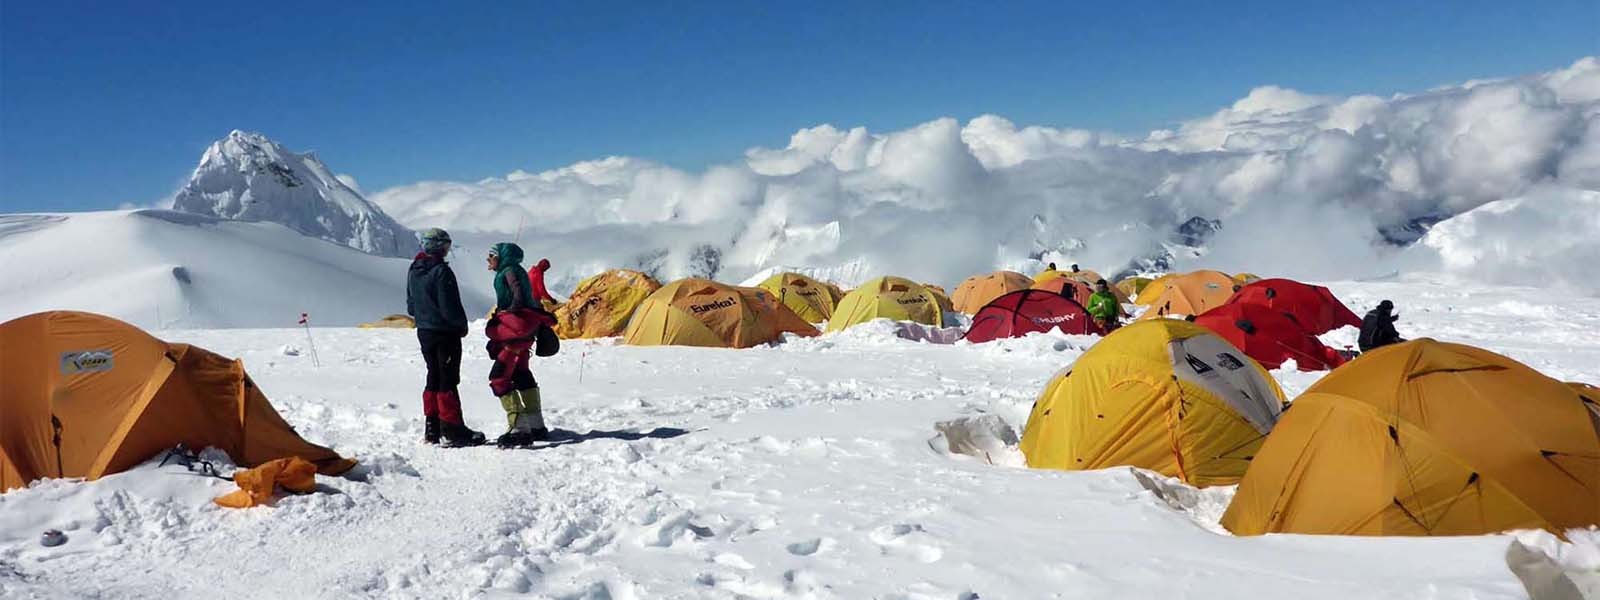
(1305, 185)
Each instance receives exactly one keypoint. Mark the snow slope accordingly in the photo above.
(1305, 186)
(248, 177)
(161, 269)
(801, 470)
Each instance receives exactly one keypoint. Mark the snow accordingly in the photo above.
(808, 469)
(1304, 186)
(248, 177)
(161, 269)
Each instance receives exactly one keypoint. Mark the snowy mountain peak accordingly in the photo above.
(248, 177)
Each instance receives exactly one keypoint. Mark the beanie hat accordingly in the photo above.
(435, 241)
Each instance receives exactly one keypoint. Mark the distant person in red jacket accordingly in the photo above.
(536, 280)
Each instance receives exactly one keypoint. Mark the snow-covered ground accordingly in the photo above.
(802, 470)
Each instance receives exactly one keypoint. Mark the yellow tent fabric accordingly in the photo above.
(1425, 438)
(940, 297)
(701, 312)
(811, 299)
(1131, 286)
(1192, 294)
(894, 298)
(978, 291)
(1243, 278)
(603, 303)
(1153, 290)
(114, 396)
(1165, 396)
(391, 322)
(1168, 395)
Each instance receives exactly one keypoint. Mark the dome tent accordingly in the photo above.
(978, 291)
(86, 395)
(1164, 395)
(602, 304)
(809, 298)
(895, 298)
(1190, 294)
(701, 312)
(1269, 336)
(1026, 311)
(1426, 438)
(1314, 307)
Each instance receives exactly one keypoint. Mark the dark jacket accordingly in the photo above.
(432, 296)
(1377, 330)
(511, 287)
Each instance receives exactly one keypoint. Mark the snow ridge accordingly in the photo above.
(248, 177)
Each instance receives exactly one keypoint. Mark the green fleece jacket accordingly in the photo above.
(1103, 306)
(511, 287)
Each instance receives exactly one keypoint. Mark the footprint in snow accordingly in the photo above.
(901, 539)
(810, 547)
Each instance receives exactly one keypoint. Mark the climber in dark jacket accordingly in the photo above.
(1377, 328)
(434, 301)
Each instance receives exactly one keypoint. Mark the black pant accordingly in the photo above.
(441, 350)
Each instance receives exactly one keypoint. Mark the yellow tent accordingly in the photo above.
(1426, 438)
(1153, 289)
(1191, 293)
(391, 322)
(85, 395)
(701, 312)
(1244, 278)
(979, 290)
(894, 298)
(940, 297)
(811, 299)
(602, 304)
(1131, 286)
(1168, 395)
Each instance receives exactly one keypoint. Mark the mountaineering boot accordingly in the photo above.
(514, 435)
(457, 434)
(430, 430)
(532, 418)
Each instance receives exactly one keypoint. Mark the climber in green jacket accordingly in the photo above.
(1103, 307)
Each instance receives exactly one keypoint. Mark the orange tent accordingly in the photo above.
(1080, 289)
(85, 395)
(979, 290)
(701, 312)
(1192, 294)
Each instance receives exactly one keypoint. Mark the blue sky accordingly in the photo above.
(102, 104)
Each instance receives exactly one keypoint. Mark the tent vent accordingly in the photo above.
(1394, 434)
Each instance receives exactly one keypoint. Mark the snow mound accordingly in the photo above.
(160, 269)
(248, 177)
(1547, 238)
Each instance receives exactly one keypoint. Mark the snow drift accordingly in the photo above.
(1280, 182)
(248, 177)
(158, 268)
(1548, 238)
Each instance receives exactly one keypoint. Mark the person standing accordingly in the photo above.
(1377, 328)
(536, 279)
(433, 299)
(1103, 307)
(511, 333)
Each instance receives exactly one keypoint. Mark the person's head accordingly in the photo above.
(504, 255)
(544, 263)
(1050, 267)
(436, 242)
(1100, 285)
(1074, 267)
(1386, 306)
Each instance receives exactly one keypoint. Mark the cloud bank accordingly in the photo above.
(1302, 185)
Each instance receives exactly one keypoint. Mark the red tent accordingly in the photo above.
(1269, 336)
(1025, 311)
(1312, 306)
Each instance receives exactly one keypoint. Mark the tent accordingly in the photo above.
(701, 312)
(1269, 336)
(1244, 278)
(940, 297)
(1153, 290)
(811, 299)
(84, 395)
(1425, 438)
(1192, 294)
(979, 290)
(603, 303)
(391, 322)
(1025, 311)
(1080, 290)
(1165, 395)
(1313, 306)
(1131, 286)
(894, 298)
